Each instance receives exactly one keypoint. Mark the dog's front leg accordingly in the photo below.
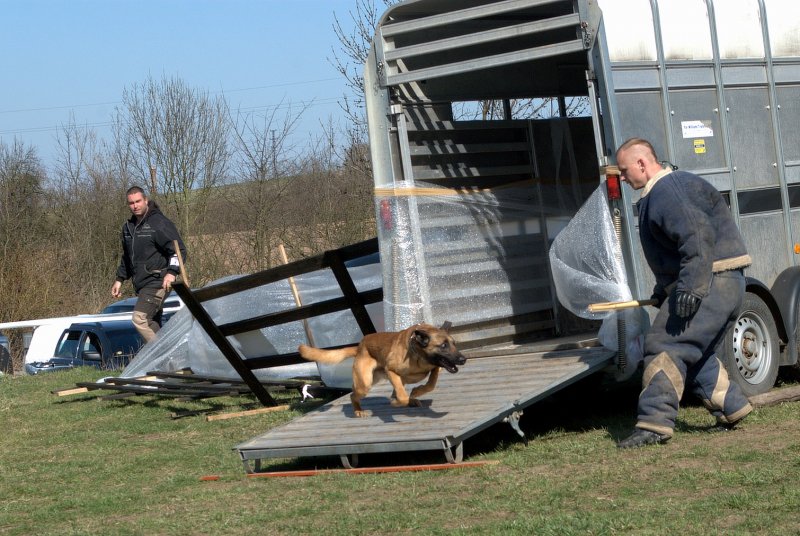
(428, 386)
(363, 371)
(401, 395)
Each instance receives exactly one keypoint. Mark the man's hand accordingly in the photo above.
(115, 289)
(659, 294)
(686, 304)
(169, 279)
(659, 298)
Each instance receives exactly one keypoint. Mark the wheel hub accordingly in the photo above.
(749, 346)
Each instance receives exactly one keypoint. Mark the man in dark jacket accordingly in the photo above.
(149, 259)
(697, 255)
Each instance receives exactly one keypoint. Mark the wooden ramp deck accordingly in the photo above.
(485, 391)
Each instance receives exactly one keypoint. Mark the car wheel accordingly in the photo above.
(751, 347)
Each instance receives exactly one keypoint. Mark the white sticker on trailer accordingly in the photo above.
(697, 129)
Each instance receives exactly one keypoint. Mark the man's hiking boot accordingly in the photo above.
(641, 437)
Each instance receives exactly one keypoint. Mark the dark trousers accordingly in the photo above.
(682, 352)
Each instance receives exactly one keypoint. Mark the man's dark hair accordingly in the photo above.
(627, 144)
(135, 190)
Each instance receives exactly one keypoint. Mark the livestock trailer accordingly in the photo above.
(492, 121)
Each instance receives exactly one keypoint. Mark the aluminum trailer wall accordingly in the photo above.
(715, 86)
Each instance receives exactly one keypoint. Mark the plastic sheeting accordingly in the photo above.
(182, 342)
(587, 267)
(586, 260)
(464, 256)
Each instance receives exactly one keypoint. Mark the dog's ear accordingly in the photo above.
(421, 337)
(446, 325)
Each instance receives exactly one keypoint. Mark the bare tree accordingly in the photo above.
(182, 134)
(337, 183)
(88, 209)
(26, 263)
(264, 164)
(349, 59)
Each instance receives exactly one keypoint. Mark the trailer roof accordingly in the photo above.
(479, 49)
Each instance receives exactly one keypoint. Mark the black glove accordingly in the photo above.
(686, 303)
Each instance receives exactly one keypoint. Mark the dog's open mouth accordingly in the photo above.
(450, 365)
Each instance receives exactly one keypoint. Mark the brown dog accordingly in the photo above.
(403, 357)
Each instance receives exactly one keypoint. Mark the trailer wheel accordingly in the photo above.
(751, 347)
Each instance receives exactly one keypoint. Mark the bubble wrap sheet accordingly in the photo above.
(587, 267)
(586, 260)
(462, 256)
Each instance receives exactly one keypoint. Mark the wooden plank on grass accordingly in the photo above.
(776, 396)
(246, 413)
(73, 391)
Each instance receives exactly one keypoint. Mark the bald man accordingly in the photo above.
(697, 255)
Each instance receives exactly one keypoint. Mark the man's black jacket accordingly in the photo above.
(148, 251)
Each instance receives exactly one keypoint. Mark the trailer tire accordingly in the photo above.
(751, 349)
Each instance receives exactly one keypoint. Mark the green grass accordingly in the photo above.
(78, 465)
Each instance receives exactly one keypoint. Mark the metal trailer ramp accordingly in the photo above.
(485, 391)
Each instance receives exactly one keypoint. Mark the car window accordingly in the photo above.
(68, 344)
(92, 344)
(124, 342)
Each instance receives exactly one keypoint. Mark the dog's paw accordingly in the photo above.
(361, 413)
(414, 403)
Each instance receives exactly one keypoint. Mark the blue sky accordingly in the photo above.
(77, 56)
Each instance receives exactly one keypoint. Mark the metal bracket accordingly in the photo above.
(349, 461)
(454, 456)
(513, 420)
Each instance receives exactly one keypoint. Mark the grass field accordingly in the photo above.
(78, 465)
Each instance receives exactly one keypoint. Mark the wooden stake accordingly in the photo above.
(184, 277)
(615, 306)
(296, 295)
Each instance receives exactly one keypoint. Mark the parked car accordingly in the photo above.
(105, 345)
(171, 304)
(5, 356)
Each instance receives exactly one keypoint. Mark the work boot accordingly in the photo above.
(641, 437)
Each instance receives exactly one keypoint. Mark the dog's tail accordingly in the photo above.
(329, 357)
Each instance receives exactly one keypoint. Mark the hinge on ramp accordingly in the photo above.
(513, 420)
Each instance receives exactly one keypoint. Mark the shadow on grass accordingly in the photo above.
(182, 406)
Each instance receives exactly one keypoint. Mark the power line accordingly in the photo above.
(57, 107)
(62, 107)
(311, 104)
